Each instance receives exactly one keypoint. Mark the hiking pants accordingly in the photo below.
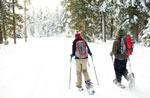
(81, 68)
(120, 69)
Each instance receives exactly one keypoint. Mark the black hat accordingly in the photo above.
(120, 32)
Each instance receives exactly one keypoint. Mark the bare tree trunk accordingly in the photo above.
(144, 1)
(25, 25)
(112, 29)
(112, 22)
(1, 35)
(14, 22)
(3, 30)
(100, 34)
(136, 33)
(103, 27)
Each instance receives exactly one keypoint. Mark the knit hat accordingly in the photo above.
(120, 33)
(77, 35)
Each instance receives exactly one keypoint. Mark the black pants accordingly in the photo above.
(120, 69)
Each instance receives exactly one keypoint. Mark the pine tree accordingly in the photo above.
(89, 15)
(6, 20)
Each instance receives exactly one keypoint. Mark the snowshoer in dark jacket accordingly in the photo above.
(120, 61)
(81, 63)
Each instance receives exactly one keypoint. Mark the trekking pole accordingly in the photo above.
(95, 71)
(70, 72)
(112, 58)
(129, 64)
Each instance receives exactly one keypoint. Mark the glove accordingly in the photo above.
(71, 55)
(91, 54)
(111, 54)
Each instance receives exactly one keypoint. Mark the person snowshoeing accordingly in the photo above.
(120, 61)
(80, 50)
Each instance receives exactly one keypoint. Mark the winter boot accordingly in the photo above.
(88, 84)
(115, 81)
(127, 76)
(118, 83)
(80, 88)
(89, 87)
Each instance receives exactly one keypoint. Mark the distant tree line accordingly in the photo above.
(103, 18)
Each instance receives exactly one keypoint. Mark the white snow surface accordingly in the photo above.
(40, 69)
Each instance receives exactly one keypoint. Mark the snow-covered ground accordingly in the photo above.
(40, 69)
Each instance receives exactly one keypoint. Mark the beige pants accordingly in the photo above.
(81, 68)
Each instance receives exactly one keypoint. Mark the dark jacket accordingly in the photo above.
(74, 48)
(115, 50)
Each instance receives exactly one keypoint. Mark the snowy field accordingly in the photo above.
(40, 69)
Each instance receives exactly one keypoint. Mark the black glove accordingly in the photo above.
(90, 54)
(111, 54)
(71, 55)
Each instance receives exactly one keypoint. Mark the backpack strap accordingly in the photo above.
(118, 45)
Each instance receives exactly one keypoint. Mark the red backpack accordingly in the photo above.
(126, 45)
(129, 45)
(81, 49)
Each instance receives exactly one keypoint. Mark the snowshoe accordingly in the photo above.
(131, 80)
(89, 87)
(90, 91)
(118, 84)
(121, 85)
(80, 88)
